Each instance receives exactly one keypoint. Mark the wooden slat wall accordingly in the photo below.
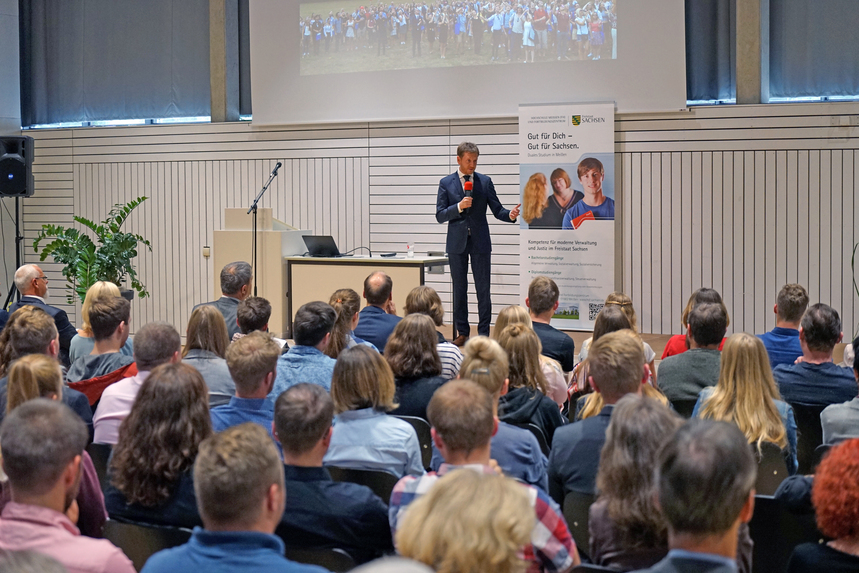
(741, 198)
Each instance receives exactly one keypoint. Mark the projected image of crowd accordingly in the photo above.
(389, 36)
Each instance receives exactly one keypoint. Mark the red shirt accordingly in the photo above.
(537, 23)
(677, 345)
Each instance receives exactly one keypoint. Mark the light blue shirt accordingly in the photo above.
(367, 439)
(302, 364)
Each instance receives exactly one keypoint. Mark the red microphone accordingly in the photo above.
(467, 186)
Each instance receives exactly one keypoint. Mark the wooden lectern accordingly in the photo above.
(275, 240)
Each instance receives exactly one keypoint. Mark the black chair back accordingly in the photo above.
(422, 429)
(100, 454)
(772, 468)
(382, 483)
(336, 560)
(776, 531)
(684, 407)
(576, 507)
(538, 433)
(809, 435)
(140, 541)
(590, 568)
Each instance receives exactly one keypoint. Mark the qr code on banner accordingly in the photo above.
(594, 310)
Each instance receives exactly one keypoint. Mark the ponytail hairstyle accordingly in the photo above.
(33, 376)
(346, 303)
(625, 304)
(523, 351)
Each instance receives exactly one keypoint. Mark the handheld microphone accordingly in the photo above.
(468, 187)
(276, 167)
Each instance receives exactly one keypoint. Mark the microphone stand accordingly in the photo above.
(253, 208)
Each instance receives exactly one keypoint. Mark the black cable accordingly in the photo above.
(356, 248)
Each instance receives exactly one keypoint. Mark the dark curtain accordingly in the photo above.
(244, 58)
(814, 48)
(88, 60)
(710, 50)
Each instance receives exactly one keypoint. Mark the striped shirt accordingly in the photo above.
(451, 360)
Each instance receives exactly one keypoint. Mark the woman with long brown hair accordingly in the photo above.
(151, 469)
(425, 300)
(205, 349)
(347, 304)
(413, 356)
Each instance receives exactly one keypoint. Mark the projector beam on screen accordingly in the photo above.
(648, 75)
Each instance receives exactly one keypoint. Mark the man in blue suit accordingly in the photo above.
(377, 320)
(32, 283)
(468, 236)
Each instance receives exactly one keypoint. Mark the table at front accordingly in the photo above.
(315, 278)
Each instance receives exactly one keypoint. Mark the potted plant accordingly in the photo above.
(106, 259)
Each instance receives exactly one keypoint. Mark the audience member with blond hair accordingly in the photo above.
(205, 349)
(425, 300)
(747, 396)
(526, 401)
(617, 368)
(83, 342)
(551, 368)
(462, 417)
(347, 304)
(516, 450)
(469, 522)
(365, 437)
(679, 343)
(413, 356)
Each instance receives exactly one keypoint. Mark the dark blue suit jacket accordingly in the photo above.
(61, 319)
(375, 325)
(450, 193)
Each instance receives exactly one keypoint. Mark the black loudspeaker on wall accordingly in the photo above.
(16, 166)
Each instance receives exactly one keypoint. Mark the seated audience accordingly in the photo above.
(516, 450)
(157, 343)
(236, 279)
(306, 360)
(252, 360)
(683, 376)
(30, 330)
(835, 496)
(252, 314)
(627, 530)
(616, 368)
(84, 342)
(679, 343)
(238, 477)
(412, 355)
(841, 421)
(42, 444)
(747, 396)
(705, 479)
(32, 283)
(109, 321)
(150, 468)
(425, 300)
(377, 319)
(526, 401)
(542, 301)
(39, 376)
(319, 511)
(816, 380)
(463, 421)
(782, 342)
(550, 367)
(205, 349)
(346, 303)
(469, 521)
(364, 436)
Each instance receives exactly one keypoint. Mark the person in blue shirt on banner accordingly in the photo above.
(601, 208)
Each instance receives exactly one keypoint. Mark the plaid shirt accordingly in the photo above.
(551, 549)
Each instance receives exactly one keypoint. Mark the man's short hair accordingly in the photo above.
(377, 288)
(821, 327)
(704, 476)
(106, 314)
(425, 300)
(708, 323)
(616, 363)
(233, 472)
(38, 439)
(29, 330)
(467, 147)
(587, 164)
(250, 358)
(155, 344)
(302, 415)
(791, 302)
(234, 276)
(253, 314)
(24, 276)
(461, 413)
(543, 293)
(312, 322)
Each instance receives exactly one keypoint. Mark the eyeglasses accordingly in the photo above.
(44, 278)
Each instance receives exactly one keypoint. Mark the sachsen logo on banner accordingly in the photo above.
(580, 119)
(577, 120)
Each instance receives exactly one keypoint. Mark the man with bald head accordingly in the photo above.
(32, 283)
(377, 320)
